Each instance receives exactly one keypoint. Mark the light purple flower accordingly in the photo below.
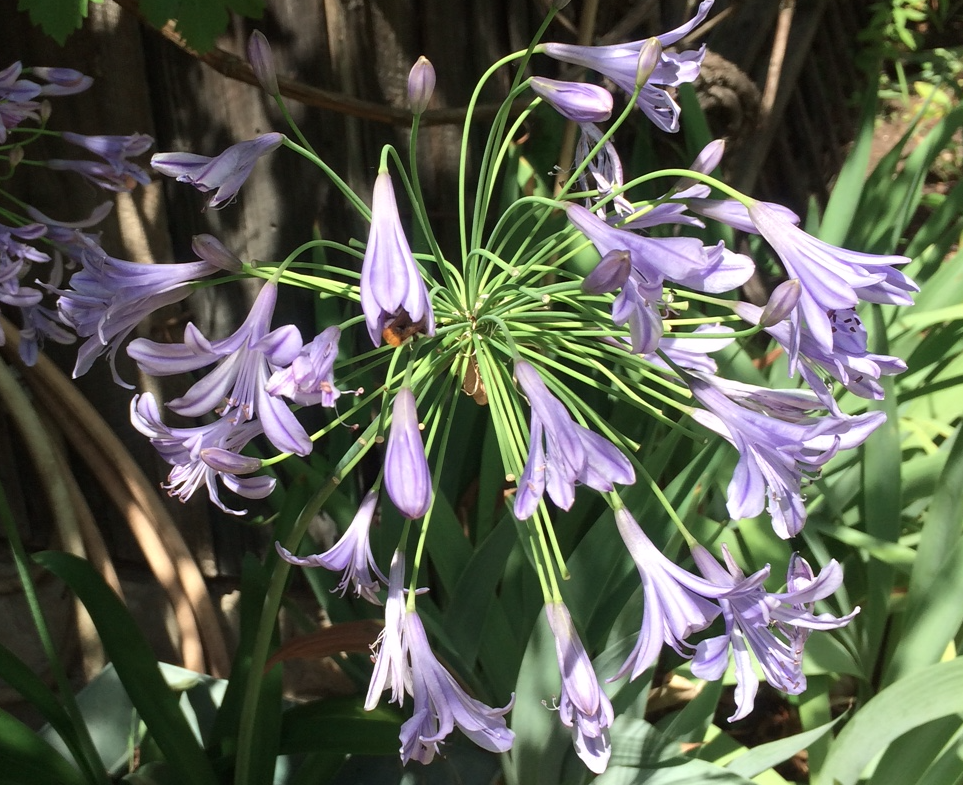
(683, 260)
(109, 297)
(638, 307)
(562, 452)
(405, 663)
(576, 101)
(833, 279)
(407, 476)
(421, 84)
(261, 58)
(778, 440)
(236, 387)
(115, 150)
(351, 554)
(15, 99)
(850, 362)
(102, 174)
(677, 603)
(309, 379)
(225, 172)
(582, 705)
(773, 626)
(39, 324)
(620, 63)
(440, 704)
(391, 283)
(183, 448)
(61, 81)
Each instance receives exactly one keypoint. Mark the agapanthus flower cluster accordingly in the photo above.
(543, 345)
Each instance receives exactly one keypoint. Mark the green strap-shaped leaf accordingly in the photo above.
(136, 666)
(765, 756)
(26, 759)
(894, 711)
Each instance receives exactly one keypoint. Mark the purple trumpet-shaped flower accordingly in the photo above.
(391, 283)
(677, 603)
(407, 476)
(773, 626)
(683, 260)
(850, 362)
(351, 554)
(405, 663)
(16, 94)
(237, 386)
(576, 101)
(309, 379)
(777, 440)
(833, 279)
(183, 448)
(562, 452)
(225, 172)
(582, 705)
(61, 81)
(620, 63)
(109, 297)
(115, 150)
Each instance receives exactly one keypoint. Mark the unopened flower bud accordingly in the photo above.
(210, 249)
(45, 110)
(780, 305)
(421, 84)
(609, 274)
(576, 101)
(229, 462)
(262, 61)
(16, 156)
(649, 56)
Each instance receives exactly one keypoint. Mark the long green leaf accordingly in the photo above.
(26, 759)
(765, 756)
(136, 666)
(896, 710)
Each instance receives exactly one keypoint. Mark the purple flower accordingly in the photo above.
(576, 101)
(440, 704)
(620, 63)
(61, 81)
(183, 448)
(309, 379)
(109, 297)
(407, 477)
(582, 705)
(246, 360)
(104, 175)
(225, 172)
(421, 84)
(562, 452)
(115, 150)
(683, 260)
(774, 626)
(15, 99)
(677, 602)
(405, 663)
(850, 362)
(777, 440)
(638, 306)
(39, 324)
(391, 283)
(261, 58)
(351, 554)
(833, 279)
